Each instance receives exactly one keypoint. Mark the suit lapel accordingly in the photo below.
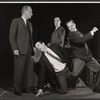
(62, 53)
(57, 50)
(30, 28)
(47, 62)
(25, 25)
(22, 21)
(56, 29)
(49, 66)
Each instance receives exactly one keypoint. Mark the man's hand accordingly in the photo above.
(94, 29)
(40, 93)
(48, 44)
(16, 52)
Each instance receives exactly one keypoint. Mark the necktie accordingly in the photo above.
(58, 59)
(27, 25)
(86, 46)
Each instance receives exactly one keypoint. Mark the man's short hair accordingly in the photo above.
(24, 8)
(70, 21)
(38, 43)
(41, 42)
(58, 17)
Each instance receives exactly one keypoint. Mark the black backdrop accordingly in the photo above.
(86, 15)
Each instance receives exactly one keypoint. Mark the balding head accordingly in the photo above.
(41, 46)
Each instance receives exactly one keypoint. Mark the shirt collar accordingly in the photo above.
(24, 19)
(57, 27)
(48, 49)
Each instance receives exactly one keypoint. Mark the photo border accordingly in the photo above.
(48, 1)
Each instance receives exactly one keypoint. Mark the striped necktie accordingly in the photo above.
(58, 59)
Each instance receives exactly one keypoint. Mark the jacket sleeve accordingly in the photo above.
(42, 74)
(77, 39)
(61, 35)
(59, 38)
(13, 34)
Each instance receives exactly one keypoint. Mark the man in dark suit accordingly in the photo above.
(20, 37)
(81, 52)
(58, 35)
(55, 63)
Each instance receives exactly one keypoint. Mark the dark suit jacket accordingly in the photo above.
(58, 36)
(78, 45)
(46, 65)
(19, 35)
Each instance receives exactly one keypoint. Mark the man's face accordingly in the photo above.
(40, 46)
(71, 26)
(57, 22)
(28, 13)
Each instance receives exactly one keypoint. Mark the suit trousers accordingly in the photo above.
(93, 65)
(97, 81)
(66, 79)
(21, 70)
(79, 65)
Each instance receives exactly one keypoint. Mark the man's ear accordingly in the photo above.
(43, 43)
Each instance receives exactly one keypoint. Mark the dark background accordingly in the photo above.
(86, 16)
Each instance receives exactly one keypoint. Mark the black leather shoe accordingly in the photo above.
(96, 90)
(74, 84)
(18, 93)
(35, 91)
(27, 91)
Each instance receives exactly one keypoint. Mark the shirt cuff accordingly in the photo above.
(92, 33)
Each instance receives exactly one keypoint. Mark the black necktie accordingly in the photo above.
(58, 59)
(30, 40)
(27, 25)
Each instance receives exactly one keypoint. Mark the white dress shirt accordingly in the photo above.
(24, 20)
(58, 66)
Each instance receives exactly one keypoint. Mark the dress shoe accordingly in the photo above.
(81, 84)
(18, 93)
(74, 84)
(96, 90)
(27, 91)
(35, 91)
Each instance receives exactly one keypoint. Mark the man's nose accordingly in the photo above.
(31, 13)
